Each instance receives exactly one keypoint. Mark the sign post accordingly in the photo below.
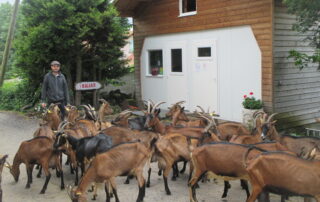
(88, 85)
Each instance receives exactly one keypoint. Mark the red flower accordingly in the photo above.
(245, 96)
(251, 93)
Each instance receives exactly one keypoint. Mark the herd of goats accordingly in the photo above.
(281, 164)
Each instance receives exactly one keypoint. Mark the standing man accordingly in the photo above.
(55, 88)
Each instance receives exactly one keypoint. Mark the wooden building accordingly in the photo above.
(212, 52)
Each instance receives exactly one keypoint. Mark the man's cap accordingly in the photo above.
(55, 63)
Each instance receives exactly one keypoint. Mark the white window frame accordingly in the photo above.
(185, 14)
(148, 69)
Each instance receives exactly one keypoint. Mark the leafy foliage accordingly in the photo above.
(15, 94)
(63, 29)
(308, 16)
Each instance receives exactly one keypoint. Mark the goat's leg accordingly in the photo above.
(184, 167)
(29, 175)
(77, 176)
(114, 189)
(60, 171)
(255, 192)
(175, 171)
(165, 178)
(246, 187)
(264, 197)
(142, 186)
(40, 170)
(192, 188)
(95, 191)
(227, 186)
(45, 167)
(129, 177)
(106, 189)
(149, 175)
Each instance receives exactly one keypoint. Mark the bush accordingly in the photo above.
(15, 94)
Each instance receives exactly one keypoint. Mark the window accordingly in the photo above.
(155, 62)
(188, 6)
(204, 52)
(176, 60)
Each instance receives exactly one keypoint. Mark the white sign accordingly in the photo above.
(89, 85)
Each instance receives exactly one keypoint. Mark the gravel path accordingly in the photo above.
(15, 128)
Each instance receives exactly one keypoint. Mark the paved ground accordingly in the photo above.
(14, 128)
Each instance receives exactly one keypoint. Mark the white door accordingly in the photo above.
(176, 72)
(203, 79)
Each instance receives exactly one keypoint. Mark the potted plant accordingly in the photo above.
(250, 106)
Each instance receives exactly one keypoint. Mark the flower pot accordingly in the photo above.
(247, 117)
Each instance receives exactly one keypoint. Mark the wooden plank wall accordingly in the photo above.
(296, 92)
(161, 17)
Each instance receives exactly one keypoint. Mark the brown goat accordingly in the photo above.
(52, 116)
(44, 130)
(174, 147)
(2, 162)
(284, 174)
(38, 150)
(104, 109)
(128, 158)
(225, 160)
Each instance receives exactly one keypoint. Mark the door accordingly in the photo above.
(203, 75)
(176, 72)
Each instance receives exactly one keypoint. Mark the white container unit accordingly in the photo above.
(212, 68)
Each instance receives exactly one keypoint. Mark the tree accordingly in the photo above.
(84, 35)
(308, 20)
(5, 15)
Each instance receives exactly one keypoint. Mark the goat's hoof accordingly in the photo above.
(38, 176)
(27, 186)
(148, 185)
(94, 198)
(174, 178)
(159, 172)
(224, 196)
(62, 187)
(42, 191)
(196, 186)
(168, 192)
(127, 182)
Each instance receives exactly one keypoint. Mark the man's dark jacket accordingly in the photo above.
(54, 89)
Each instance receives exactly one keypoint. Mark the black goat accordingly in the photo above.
(84, 148)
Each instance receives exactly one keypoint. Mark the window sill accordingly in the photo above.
(154, 76)
(187, 14)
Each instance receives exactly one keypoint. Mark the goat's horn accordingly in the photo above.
(202, 110)
(125, 112)
(92, 108)
(60, 125)
(103, 100)
(7, 164)
(149, 107)
(156, 105)
(151, 102)
(271, 117)
(180, 102)
(255, 114)
(86, 107)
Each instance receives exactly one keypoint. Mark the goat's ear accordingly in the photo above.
(182, 109)
(157, 112)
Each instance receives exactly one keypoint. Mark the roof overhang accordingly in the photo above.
(129, 8)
